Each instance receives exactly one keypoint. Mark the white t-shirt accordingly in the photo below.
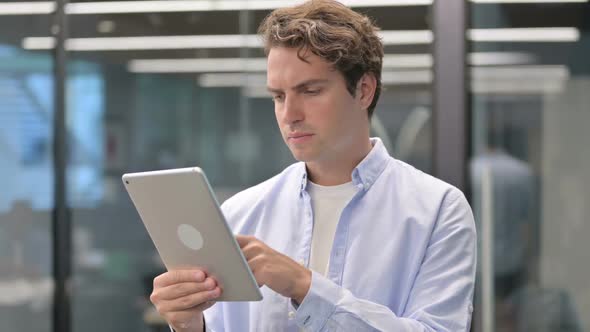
(327, 204)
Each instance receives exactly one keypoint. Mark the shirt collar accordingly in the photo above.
(365, 173)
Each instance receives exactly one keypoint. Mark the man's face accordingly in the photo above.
(319, 119)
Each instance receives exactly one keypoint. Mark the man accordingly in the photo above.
(512, 186)
(348, 239)
(510, 190)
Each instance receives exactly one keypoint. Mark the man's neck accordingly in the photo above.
(337, 171)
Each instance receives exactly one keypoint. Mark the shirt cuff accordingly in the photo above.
(319, 303)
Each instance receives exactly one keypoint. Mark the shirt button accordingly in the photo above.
(360, 186)
(291, 314)
(301, 262)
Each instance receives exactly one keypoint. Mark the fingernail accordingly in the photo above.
(209, 283)
(214, 293)
(200, 276)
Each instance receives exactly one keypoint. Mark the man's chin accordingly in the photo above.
(303, 156)
(299, 157)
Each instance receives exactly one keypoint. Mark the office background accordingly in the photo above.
(91, 90)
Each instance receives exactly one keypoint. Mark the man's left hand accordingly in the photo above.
(275, 270)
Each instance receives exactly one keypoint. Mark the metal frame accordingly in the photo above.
(451, 117)
(451, 141)
(61, 222)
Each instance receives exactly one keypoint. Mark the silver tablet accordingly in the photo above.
(183, 218)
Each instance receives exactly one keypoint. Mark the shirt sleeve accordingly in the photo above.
(440, 299)
(207, 329)
(213, 318)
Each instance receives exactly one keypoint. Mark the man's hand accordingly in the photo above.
(182, 296)
(275, 270)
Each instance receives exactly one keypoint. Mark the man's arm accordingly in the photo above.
(205, 329)
(442, 292)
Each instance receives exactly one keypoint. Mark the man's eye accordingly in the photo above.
(312, 92)
(278, 98)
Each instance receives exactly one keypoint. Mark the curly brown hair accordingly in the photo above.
(332, 31)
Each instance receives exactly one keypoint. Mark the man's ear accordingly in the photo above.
(366, 87)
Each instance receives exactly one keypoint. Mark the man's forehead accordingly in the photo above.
(286, 70)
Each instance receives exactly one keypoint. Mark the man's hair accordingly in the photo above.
(332, 31)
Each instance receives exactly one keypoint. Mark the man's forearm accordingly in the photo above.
(203, 328)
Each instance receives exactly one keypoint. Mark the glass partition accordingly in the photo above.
(530, 110)
(26, 172)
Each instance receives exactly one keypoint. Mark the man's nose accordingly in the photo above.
(292, 110)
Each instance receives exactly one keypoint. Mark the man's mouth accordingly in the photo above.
(299, 137)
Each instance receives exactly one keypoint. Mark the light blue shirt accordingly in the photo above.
(403, 257)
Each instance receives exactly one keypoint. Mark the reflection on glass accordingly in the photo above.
(26, 179)
(529, 170)
(86, 134)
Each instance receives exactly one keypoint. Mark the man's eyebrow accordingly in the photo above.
(299, 86)
(308, 82)
(273, 90)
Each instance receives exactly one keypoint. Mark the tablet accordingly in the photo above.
(183, 219)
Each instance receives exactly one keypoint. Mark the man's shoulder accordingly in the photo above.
(418, 178)
(420, 185)
(434, 197)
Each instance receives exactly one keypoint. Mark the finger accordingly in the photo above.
(252, 252)
(256, 263)
(178, 276)
(257, 266)
(188, 302)
(183, 289)
(249, 252)
(254, 249)
(244, 240)
(204, 306)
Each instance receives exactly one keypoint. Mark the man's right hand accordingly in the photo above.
(182, 296)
